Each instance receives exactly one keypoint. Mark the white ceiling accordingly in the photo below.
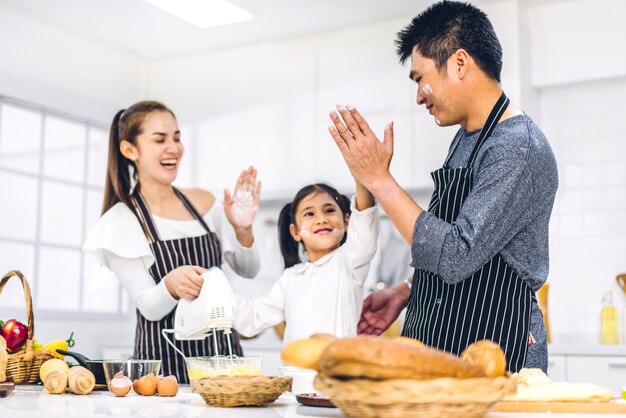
(150, 33)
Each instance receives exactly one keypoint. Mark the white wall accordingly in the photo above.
(50, 66)
(580, 75)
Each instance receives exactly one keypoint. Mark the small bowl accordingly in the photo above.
(302, 379)
(134, 369)
(201, 367)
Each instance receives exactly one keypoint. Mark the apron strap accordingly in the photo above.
(145, 216)
(192, 209)
(489, 126)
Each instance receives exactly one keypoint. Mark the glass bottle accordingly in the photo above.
(609, 321)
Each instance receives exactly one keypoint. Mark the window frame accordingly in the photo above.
(123, 309)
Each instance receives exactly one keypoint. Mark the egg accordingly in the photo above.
(146, 385)
(120, 385)
(168, 386)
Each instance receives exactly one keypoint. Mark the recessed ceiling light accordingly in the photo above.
(204, 13)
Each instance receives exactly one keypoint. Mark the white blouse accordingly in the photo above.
(324, 296)
(119, 243)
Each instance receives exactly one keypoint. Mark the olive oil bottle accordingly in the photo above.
(609, 321)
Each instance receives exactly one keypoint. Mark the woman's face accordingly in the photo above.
(158, 150)
(319, 224)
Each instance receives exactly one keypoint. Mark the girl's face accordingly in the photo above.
(159, 151)
(319, 224)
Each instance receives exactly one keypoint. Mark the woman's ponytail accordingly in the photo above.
(117, 184)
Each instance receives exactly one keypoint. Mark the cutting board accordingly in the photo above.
(613, 407)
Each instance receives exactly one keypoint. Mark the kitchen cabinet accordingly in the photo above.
(603, 365)
(609, 372)
(557, 368)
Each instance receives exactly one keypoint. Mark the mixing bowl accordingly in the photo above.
(201, 367)
(134, 369)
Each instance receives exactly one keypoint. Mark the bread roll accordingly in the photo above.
(408, 340)
(488, 356)
(384, 358)
(305, 352)
(323, 336)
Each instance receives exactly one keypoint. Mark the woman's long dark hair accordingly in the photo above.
(126, 126)
(289, 246)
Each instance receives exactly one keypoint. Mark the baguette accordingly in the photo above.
(383, 358)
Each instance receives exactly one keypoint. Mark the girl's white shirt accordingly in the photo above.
(119, 243)
(324, 296)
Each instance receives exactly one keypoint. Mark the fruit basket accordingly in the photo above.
(408, 398)
(22, 366)
(241, 390)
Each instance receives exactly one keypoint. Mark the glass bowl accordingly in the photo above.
(201, 367)
(302, 379)
(134, 369)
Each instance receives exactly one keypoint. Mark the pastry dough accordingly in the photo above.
(535, 386)
(384, 358)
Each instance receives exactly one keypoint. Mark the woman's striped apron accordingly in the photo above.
(204, 251)
(493, 303)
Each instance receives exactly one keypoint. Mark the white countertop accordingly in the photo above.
(31, 401)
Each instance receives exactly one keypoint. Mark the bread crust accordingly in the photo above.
(383, 358)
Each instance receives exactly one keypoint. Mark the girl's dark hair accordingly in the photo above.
(126, 126)
(447, 26)
(289, 246)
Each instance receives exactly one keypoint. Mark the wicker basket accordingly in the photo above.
(404, 398)
(22, 366)
(241, 391)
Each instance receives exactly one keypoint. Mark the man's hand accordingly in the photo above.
(367, 158)
(381, 308)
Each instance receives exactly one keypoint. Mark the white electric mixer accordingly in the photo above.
(213, 310)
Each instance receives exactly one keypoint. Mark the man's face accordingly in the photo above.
(437, 89)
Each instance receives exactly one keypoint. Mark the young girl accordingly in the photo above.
(327, 242)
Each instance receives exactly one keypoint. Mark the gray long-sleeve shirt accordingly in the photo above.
(507, 211)
(514, 183)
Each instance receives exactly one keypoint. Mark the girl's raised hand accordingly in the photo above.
(241, 208)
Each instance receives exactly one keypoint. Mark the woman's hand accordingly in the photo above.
(241, 208)
(185, 282)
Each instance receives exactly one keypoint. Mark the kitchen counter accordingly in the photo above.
(31, 401)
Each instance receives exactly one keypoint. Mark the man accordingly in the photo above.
(481, 250)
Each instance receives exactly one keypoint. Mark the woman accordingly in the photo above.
(158, 240)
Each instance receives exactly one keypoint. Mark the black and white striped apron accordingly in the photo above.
(204, 251)
(494, 303)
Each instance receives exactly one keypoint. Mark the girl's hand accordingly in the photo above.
(242, 207)
(185, 282)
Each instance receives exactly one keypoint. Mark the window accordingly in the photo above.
(52, 171)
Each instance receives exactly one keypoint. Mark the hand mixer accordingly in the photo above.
(213, 310)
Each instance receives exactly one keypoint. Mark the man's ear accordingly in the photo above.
(128, 150)
(295, 234)
(460, 62)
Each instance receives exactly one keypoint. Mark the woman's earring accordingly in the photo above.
(302, 254)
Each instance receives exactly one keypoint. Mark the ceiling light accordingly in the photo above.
(204, 13)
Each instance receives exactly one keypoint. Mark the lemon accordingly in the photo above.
(53, 364)
(54, 344)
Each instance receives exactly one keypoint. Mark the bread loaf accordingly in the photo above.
(384, 358)
(305, 352)
(488, 356)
